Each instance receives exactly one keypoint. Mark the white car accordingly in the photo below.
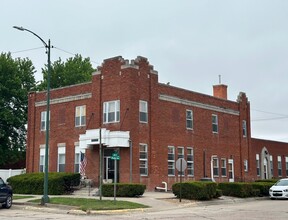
(279, 190)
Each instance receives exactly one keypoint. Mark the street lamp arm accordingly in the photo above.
(24, 29)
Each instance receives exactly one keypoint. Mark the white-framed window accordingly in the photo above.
(215, 166)
(61, 157)
(111, 111)
(190, 161)
(215, 123)
(43, 120)
(171, 161)
(189, 119)
(143, 159)
(80, 116)
(77, 159)
(286, 161)
(257, 164)
(245, 165)
(180, 154)
(279, 166)
(42, 158)
(271, 165)
(143, 111)
(244, 128)
(223, 167)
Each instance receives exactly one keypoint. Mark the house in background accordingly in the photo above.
(151, 125)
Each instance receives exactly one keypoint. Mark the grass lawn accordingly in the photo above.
(94, 204)
(21, 197)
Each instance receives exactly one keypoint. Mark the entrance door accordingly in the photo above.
(109, 167)
(265, 168)
(108, 170)
(231, 170)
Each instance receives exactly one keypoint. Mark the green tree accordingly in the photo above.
(75, 70)
(16, 80)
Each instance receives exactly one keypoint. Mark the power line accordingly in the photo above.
(272, 113)
(269, 119)
(65, 51)
(282, 116)
(20, 51)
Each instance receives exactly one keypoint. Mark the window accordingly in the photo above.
(215, 166)
(244, 128)
(180, 155)
(279, 166)
(271, 165)
(42, 158)
(190, 162)
(286, 158)
(214, 123)
(43, 120)
(80, 116)
(61, 158)
(245, 165)
(171, 161)
(257, 165)
(143, 111)
(77, 159)
(111, 111)
(189, 119)
(223, 167)
(180, 152)
(143, 159)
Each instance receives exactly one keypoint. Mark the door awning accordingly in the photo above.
(108, 138)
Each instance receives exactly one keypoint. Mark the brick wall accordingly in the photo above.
(129, 82)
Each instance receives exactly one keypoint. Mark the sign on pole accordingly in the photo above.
(181, 166)
(115, 156)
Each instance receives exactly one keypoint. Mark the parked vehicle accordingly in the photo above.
(5, 194)
(279, 190)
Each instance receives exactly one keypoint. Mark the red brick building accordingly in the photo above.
(150, 125)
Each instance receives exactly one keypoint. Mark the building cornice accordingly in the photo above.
(65, 99)
(197, 104)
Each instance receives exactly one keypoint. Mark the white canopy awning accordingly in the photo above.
(108, 138)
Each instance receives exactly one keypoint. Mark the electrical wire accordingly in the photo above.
(65, 51)
(20, 51)
(282, 116)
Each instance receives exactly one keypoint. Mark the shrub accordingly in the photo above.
(267, 181)
(263, 187)
(33, 183)
(123, 189)
(196, 190)
(238, 189)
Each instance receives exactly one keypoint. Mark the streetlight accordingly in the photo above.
(45, 197)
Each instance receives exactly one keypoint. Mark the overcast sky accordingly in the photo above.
(189, 42)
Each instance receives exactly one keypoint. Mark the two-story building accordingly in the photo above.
(151, 125)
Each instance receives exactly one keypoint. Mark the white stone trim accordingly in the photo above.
(177, 100)
(65, 99)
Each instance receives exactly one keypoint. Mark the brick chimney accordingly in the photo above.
(220, 91)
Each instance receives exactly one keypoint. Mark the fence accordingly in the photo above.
(5, 174)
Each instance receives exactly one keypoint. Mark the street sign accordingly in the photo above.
(181, 164)
(115, 156)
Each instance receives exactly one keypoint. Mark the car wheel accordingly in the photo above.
(8, 202)
(272, 198)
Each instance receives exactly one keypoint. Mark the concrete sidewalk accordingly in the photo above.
(157, 201)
